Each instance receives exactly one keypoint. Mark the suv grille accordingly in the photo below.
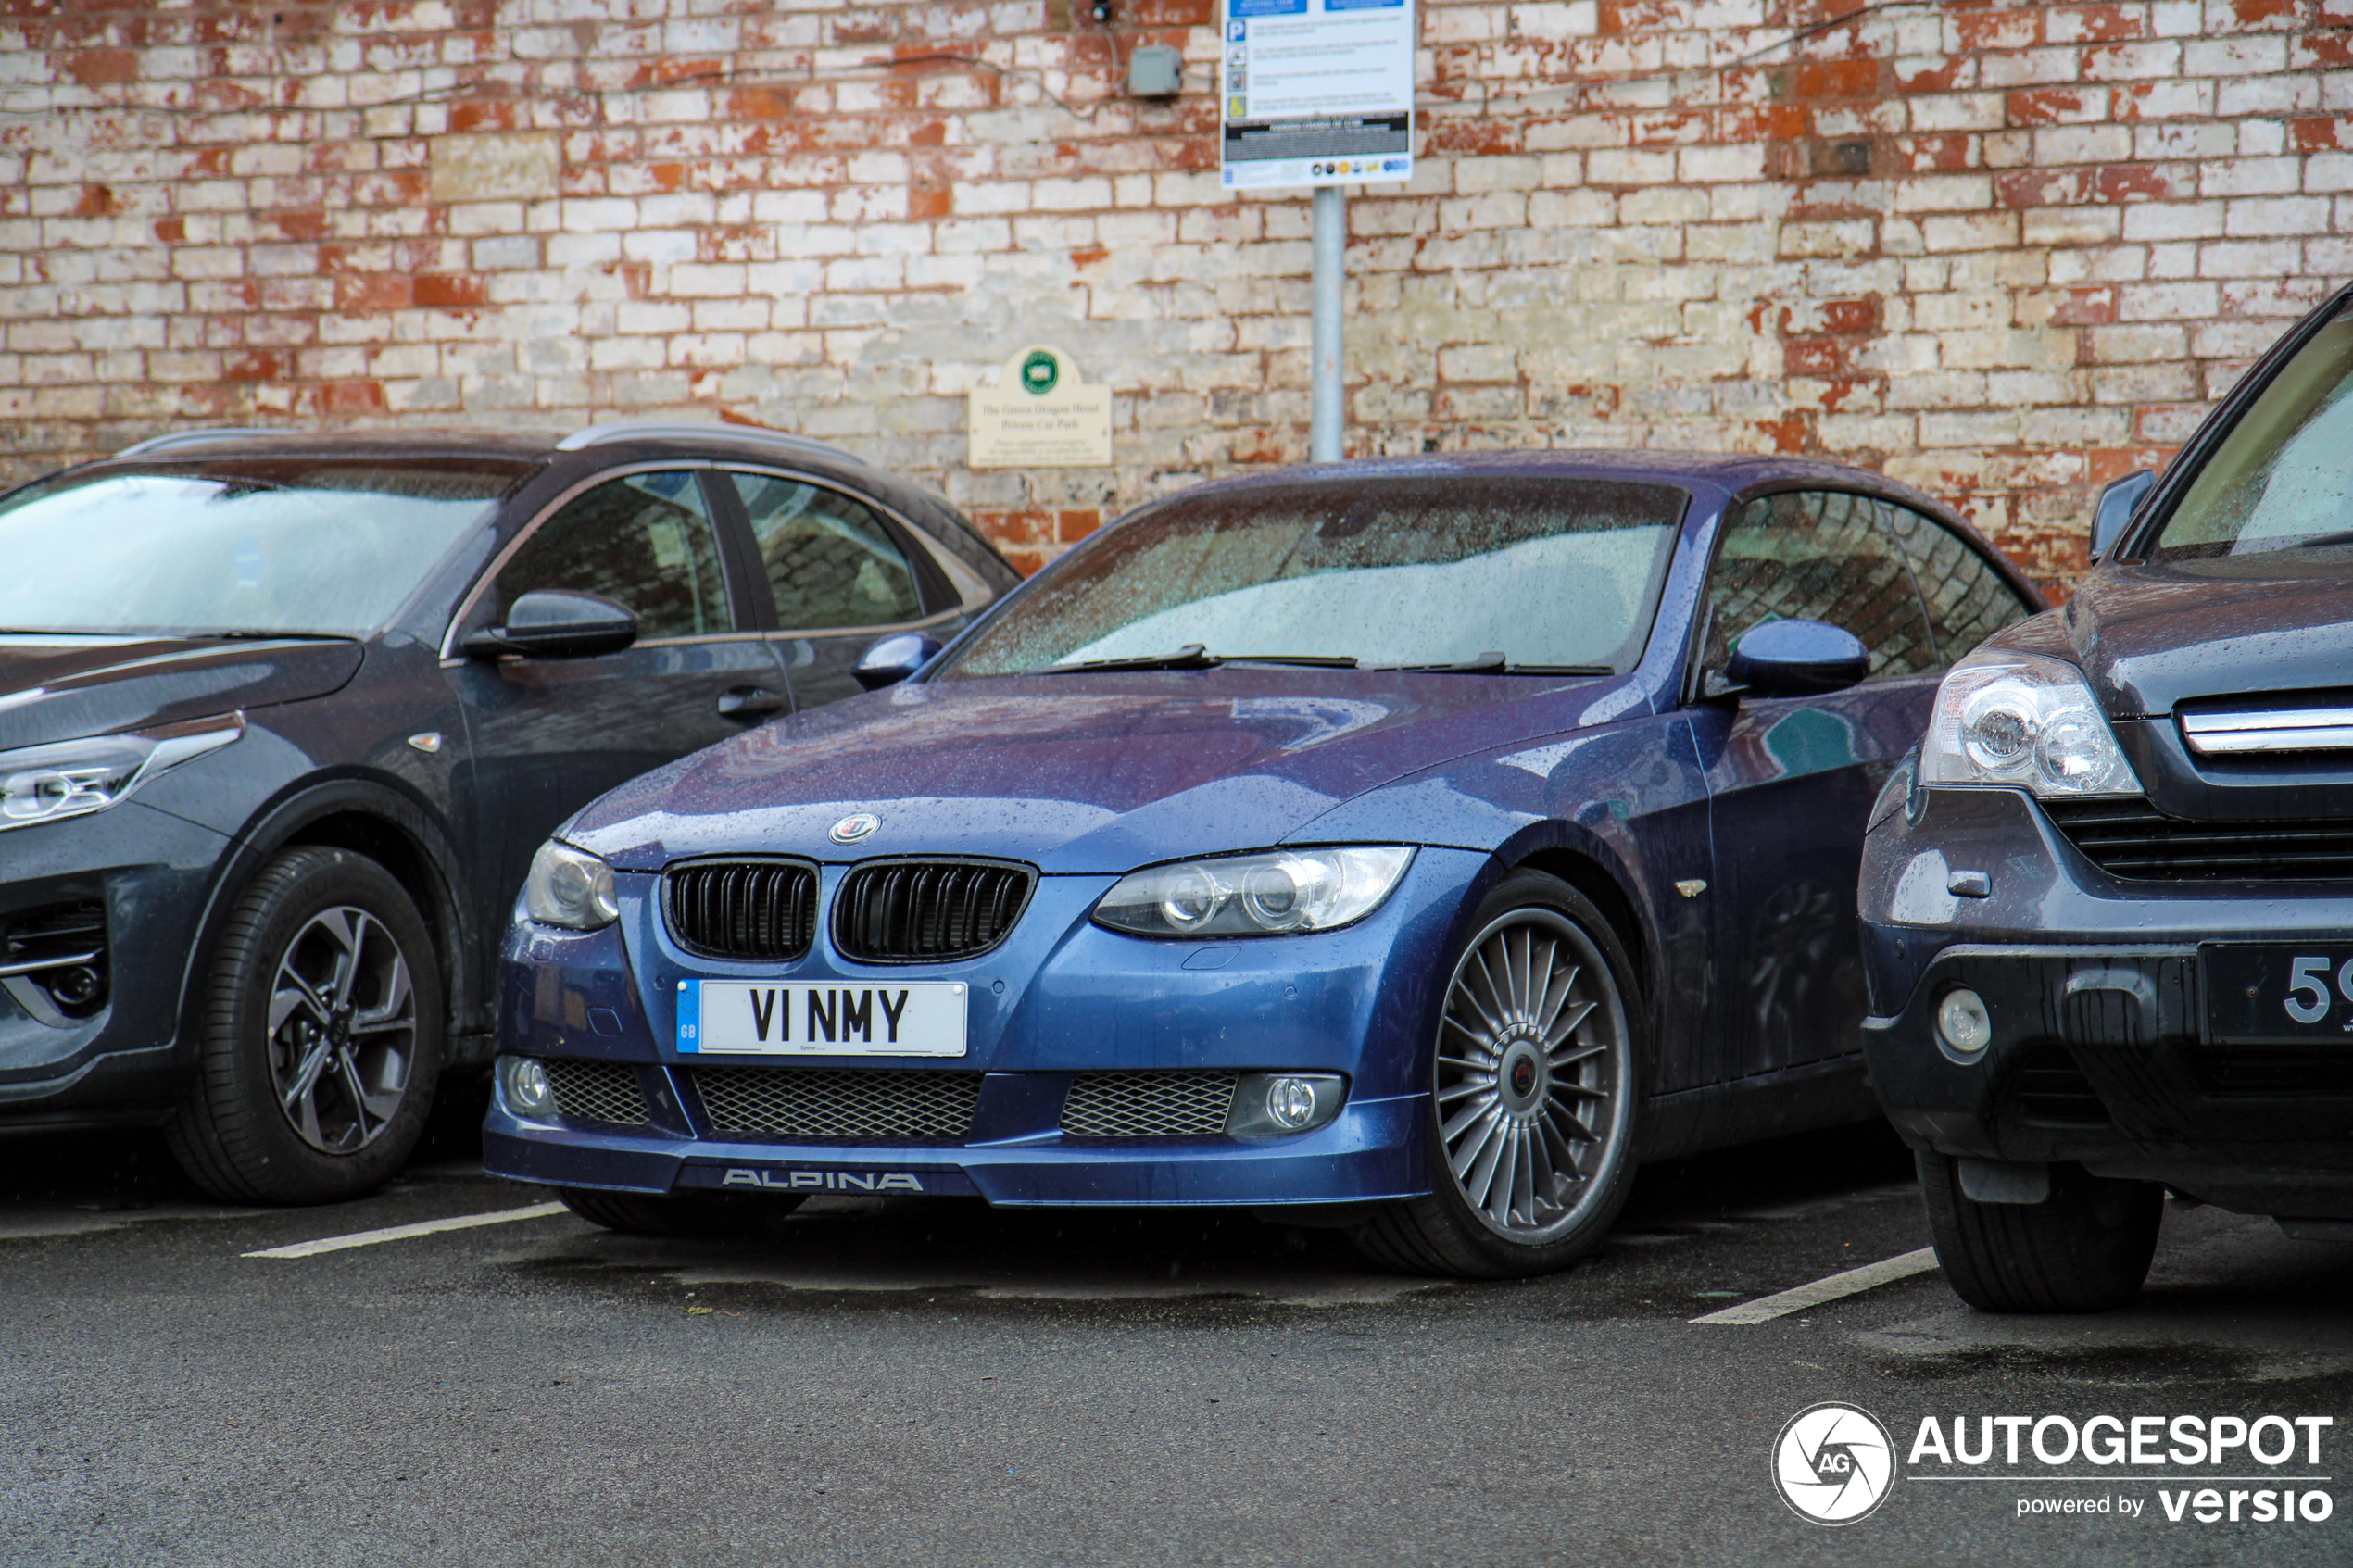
(2132, 838)
(866, 1107)
(62, 949)
(928, 911)
(1148, 1105)
(598, 1091)
(759, 910)
(2046, 1085)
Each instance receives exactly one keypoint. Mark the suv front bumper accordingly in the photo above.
(2100, 1053)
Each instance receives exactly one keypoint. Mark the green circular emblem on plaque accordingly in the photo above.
(1039, 373)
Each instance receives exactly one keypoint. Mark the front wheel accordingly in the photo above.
(1533, 1091)
(2085, 1249)
(322, 1037)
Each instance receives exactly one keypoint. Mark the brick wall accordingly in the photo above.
(2003, 250)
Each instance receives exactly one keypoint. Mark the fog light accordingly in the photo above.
(1290, 1103)
(1962, 1019)
(1278, 1105)
(524, 1082)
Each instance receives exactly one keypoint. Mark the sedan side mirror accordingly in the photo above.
(894, 658)
(1797, 659)
(558, 623)
(2119, 500)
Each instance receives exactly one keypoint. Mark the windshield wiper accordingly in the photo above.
(1308, 660)
(1193, 656)
(1498, 664)
(254, 634)
(2342, 536)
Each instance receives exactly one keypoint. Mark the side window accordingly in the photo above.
(1818, 555)
(830, 562)
(645, 541)
(1967, 599)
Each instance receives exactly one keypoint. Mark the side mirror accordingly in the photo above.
(2120, 498)
(558, 623)
(894, 658)
(1797, 659)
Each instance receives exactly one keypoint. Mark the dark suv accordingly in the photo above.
(2108, 913)
(283, 717)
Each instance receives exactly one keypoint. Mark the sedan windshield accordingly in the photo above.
(276, 546)
(1535, 575)
(2283, 478)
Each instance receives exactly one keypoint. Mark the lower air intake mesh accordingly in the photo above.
(853, 1106)
(598, 1091)
(1148, 1105)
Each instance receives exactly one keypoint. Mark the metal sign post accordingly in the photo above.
(1327, 409)
(1318, 92)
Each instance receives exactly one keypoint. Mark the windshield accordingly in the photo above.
(283, 545)
(1552, 575)
(2283, 478)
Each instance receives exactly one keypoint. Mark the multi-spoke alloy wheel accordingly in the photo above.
(1529, 1075)
(342, 1029)
(322, 1042)
(1534, 1090)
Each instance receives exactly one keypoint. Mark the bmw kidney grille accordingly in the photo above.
(928, 911)
(762, 911)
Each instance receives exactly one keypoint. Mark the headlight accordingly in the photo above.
(570, 887)
(1255, 895)
(2022, 720)
(73, 778)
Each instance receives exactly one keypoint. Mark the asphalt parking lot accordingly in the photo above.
(919, 1382)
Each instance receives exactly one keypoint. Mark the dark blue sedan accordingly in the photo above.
(1411, 846)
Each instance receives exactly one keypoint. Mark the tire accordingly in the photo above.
(322, 1037)
(634, 1213)
(2085, 1249)
(1533, 1102)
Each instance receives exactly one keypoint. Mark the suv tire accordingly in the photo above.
(2085, 1249)
(322, 1037)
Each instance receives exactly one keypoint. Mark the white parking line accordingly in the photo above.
(402, 1233)
(1870, 1276)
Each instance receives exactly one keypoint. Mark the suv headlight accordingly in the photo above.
(2025, 720)
(1255, 895)
(73, 778)
(570, 887)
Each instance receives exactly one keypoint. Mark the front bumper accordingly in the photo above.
(138, 877)
(2100, 1052)
(1061, 997)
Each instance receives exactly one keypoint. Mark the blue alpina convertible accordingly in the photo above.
(1411, 845)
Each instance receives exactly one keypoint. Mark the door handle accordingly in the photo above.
(747, 703)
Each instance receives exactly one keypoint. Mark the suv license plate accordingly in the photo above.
(762, 1018)
(2278, 992)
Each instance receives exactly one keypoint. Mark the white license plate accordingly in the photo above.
(763, 1018)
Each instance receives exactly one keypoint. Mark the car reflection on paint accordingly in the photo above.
(1413, 847)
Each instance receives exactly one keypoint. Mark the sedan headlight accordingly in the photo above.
(1255, 895)
(73, 778)
(570, 887)
(2021, 719)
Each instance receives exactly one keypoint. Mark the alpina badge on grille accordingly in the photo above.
(856, 829)
(757, 1018)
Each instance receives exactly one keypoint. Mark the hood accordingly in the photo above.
(2152, 635)
(1078, 772)
(62, 687)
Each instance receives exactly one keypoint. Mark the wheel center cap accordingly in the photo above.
(1520, 1077)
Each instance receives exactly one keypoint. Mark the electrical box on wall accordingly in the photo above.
(1155, 72)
